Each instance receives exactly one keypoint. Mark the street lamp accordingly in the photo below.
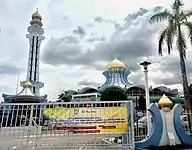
(145, 65)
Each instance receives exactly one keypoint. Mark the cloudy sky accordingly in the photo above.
(81, 36)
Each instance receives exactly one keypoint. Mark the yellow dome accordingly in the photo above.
(28, 84)
(36, 15)
(115, 64)
(165, 102)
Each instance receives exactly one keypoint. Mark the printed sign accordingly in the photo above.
(101, 120)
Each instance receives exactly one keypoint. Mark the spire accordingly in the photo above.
(37, 15)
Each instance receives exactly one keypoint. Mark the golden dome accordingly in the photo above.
(165, 102)
(115, 64)
(28, 84)
(36, 15)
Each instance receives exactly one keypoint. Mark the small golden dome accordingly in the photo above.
(36, 15)
(28, 84)
(115, 64)
(165, 102)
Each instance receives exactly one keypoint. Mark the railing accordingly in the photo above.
(140, 123)
(80, 125)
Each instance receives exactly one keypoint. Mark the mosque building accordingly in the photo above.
(116, 75)
(31, 86)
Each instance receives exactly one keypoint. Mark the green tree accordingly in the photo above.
(177, 19)
(64, 97)
(113, 93)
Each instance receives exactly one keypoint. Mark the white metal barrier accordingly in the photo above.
(67, 126)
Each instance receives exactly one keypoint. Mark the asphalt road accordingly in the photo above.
(18, 139)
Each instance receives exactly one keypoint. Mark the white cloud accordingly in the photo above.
(60, 18)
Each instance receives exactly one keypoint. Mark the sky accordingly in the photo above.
(81, 37)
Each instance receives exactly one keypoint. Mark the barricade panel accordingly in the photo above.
(81, 125)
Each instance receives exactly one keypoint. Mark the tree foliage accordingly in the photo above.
(64, 97)
(113, 93)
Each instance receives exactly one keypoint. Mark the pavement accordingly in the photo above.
(20, 138)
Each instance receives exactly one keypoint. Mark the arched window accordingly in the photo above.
(157, 92)
(136, 91)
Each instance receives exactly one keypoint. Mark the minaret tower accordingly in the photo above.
(35, 37)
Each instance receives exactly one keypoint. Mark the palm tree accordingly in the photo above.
(64, 97)
(177, 21)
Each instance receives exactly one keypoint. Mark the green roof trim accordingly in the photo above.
(176, 99)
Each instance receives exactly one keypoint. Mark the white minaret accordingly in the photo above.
(35, 37)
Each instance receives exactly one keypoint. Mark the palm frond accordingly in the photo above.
(169, 39)
(181, 43)
(160, 16)
(189, 27)
(188, 13)
(171, 31)
(161, 40)
(177, 4)
(172, 24)
(183, 18)
(177, 9)
(185, 15)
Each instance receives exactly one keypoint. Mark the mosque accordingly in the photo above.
(116, 75)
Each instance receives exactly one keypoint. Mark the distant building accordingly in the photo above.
(117, 75)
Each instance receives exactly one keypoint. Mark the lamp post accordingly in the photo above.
(145, 65)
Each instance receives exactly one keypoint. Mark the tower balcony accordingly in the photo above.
(36, 84)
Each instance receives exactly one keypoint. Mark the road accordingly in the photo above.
(17, 138)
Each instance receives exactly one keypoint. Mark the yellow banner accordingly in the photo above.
(103, 120)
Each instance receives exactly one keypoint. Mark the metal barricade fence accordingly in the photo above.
(67, 126)
(140, 124)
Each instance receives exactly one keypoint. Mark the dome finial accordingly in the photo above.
(165, 103)
(115, 64)
(36, 15)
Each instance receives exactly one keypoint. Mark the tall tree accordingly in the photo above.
(64, 97)
(190, 92)
(113, 93)
(177, 19)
